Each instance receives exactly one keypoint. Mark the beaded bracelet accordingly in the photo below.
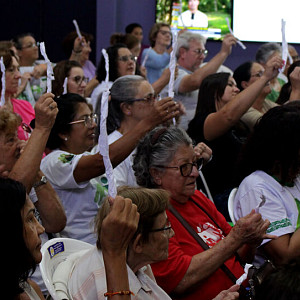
(110, 294)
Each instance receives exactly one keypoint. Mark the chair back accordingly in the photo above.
(54, 252)
(231, 204)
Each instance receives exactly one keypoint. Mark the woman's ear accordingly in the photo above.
(156, 175)
(244, 84)
(63, 136)
(137, 244)
(126, 108)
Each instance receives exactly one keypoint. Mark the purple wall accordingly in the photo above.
(114, 15)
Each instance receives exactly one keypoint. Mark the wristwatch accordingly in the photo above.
(43, 181)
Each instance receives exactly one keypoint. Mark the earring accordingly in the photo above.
(65, 138)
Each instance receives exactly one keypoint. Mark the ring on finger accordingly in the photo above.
(51, 106)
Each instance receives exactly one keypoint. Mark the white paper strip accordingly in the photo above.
(50, 76)
(102, 141)
(244, 276)
(172, 67)
(77, 29)
(65, 86)
(284, 46)
(2, 102)
(230, 30)
(146, 57)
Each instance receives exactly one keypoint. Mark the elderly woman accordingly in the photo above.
(269, 171)
(265, 53)
(217, 123)
(160, 37)
(76, 81)
(165, 159)
(244, 75)
(70, 167)
(21, 107)
(149, 244)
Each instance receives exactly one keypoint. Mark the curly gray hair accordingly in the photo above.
(157, 148)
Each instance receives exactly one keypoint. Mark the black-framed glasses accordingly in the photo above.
(88, 121)
(79, 79)
(126, 58)
(31, 45)
(201, 51)
(187, 168)
(150, 98)
(167, 228)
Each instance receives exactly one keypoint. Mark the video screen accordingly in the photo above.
(260, 21)
(207, 17)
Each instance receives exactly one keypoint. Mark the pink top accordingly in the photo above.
(26, 112)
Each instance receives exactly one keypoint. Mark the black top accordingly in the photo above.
(219, 173)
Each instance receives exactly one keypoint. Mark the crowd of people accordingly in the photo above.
(167, 234)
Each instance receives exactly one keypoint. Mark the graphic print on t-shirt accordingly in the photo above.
(209, 233)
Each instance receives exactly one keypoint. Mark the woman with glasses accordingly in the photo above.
(245, 75)
(73, 171)
(76, 81)
(149, 244)
(121, 62)
(217, 123)
(158, 56)
(165, 159)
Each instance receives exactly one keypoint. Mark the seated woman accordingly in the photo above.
(291, 89)
(23, 236)
(21, 107)
(264, 53)
(70, 167)
(121, 62)
(79, 50)
(165, 159)
(158, 56)
(76, 81)
(244, 76)
(149, 244)
(217, 123)
(269, 169)
(24, 233)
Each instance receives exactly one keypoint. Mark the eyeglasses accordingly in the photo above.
(88, 121)
(258, 74)
(168, 228)
(295, 58)
(201, 51)
(32, 45)
(165, 32)
(126, 58)
(187, 168)
(78, 79)
(150, 98)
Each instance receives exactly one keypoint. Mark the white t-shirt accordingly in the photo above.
(100, 88)
(198, 19)
(80, 200)
(280, 207)
(123, 173)
(88, 280)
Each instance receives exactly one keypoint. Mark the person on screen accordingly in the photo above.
(193, 17)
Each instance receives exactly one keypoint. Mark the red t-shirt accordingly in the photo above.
(26, 112)
(182, 247)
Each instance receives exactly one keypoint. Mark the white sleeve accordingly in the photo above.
(59, 167)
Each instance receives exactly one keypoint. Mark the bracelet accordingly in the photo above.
(76, 52)
(110, 294)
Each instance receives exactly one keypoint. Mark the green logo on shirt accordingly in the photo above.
(66, 158)
(279, 224)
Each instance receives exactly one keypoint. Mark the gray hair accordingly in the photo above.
(157, 148)
(185, 38)
(124, 88)
(265, 51)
